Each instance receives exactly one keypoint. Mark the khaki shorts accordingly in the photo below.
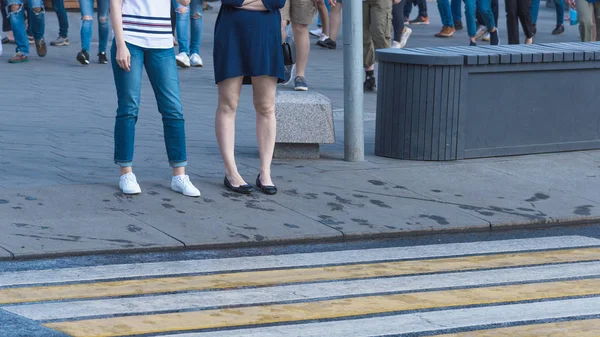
(302, 12)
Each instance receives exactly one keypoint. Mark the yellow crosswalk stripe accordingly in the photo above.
(296, 275)
(580, 328)
(329, 309)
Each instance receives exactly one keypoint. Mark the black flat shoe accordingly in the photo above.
(244, 189)
(270, 190)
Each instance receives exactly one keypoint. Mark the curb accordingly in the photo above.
(490, 227)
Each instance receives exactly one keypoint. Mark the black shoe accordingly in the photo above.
(558, 30)
(270, 190)
(83, 57)
(472, 44)
(102, 59)
(370, 85)
(328, 43)
(458, 25)
(494, 40)
(244, 189)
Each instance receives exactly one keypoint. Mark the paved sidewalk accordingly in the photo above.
(58, 185)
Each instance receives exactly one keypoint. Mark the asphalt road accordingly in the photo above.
(514, 283)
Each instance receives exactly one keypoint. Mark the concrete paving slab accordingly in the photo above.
(492, 195)
(364, 205)
(70, 219)
(220, 218)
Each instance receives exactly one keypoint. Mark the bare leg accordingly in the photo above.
(302, 47)
(229, 97)
(264, 89)
(324, 15)
(335, 17)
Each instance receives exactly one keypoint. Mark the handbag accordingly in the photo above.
(289, 51)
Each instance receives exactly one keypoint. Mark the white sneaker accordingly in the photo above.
(486, 37)
(196, 61)
(183, 60)
(128, 184)
(316, 32)
(407, 33)
(396, 44)
(182, 184)
(480, 32)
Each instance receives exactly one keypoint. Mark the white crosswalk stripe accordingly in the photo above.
(372, 292)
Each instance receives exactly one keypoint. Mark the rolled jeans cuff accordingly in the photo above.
(178, 164)
(124, 163)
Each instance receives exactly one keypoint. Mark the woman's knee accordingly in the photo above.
(228, 104)
(264, 107)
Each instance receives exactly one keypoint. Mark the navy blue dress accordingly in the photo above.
(248, 43)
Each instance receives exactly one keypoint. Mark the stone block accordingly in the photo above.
(304, 120)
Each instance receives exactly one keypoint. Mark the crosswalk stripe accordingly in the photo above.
(96, 273)
(330, 309)
(274, 277)
(301, 292)
(579, 328)
(422, 321)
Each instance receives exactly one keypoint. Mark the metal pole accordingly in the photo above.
(354, 139)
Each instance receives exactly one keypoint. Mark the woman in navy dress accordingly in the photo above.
(248, 50)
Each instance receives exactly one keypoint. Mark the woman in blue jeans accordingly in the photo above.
(484, 7)
(143, 39)
(248, 51)
(560, 16)
(87, 19)
(189, 33)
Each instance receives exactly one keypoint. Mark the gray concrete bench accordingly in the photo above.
(304, 120)
(450, 103)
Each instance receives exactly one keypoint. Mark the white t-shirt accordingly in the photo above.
(147, 23)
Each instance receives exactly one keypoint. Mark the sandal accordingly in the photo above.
(7, 41)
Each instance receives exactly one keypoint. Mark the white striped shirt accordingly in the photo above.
(147, 23)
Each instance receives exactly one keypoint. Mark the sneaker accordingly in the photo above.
(60, 42)
(486, 37)
(396, 45)
(40, 47)
(327, 43)
(405, 35)
(196, 60)
(420, 20)
(128, 184)
(472, 44)
(83, 57)
(289, 70)
(558, 30)
(102, 59)
(446, 31)
(19, 58)
(316, 32)
(183, 60)
(370, 85)
(481, 31)
(494, 40)
(182, 184)
(300, 84)
(458, 25)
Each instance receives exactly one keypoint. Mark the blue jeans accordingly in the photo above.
(87, 9)
(456, 9)
(560, 11)
(445, 12)
(470, 8)
(63, 20)
(189, 43)
(161, 68)
(37, 23)
(487, 14)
